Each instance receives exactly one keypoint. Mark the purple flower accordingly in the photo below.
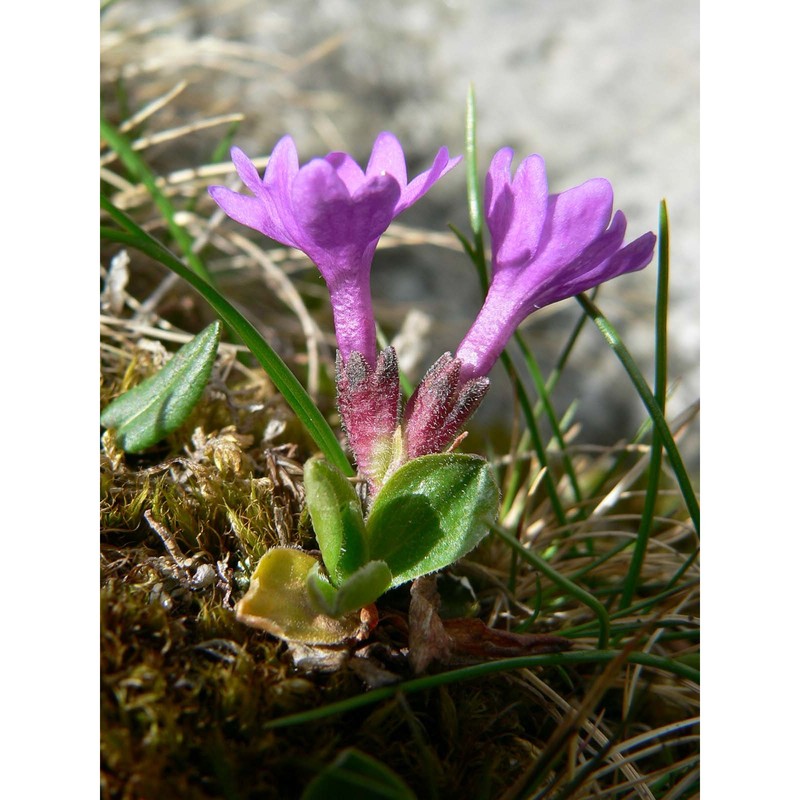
(335, 213)
(544, 248)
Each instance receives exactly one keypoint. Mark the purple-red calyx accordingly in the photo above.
(440, 406)
(369, 405)
(334, 212)
(545, 248)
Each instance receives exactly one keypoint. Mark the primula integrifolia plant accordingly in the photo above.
(545, 247)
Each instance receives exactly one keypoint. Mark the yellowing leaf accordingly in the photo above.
(278, 602)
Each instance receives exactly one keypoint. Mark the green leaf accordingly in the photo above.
(430, 513)
(159, 405)
(363, 587)
(338, 519)
(278, 601)
(322, 591)
(356, 775)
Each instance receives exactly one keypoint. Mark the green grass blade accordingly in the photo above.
(222, 150)
(354, 774)
(562, 582)
(642, 606)
(141, 172)
(660, 392)
(465, 243)
(544, 401)
(283, 378)
(481, 671)
(561, 361)
(474, 192)
(659, 422)
(536, 438)
(691, 558)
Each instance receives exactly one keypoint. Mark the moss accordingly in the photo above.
(185, 693)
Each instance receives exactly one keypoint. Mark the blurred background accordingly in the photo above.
(598, 88)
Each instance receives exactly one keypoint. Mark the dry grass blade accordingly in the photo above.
(594, 733)
(564, 732)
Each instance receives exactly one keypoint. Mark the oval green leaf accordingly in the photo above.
(145, 414)
(430, 513)
(337, 517)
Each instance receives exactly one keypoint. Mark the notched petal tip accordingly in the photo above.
(416, 188)
(501, 161)
(246, 170)
(347, 169)
(282, 166)
(443, 162)
(285, 150)
(636, 255)
(242, 208)
(388, 158)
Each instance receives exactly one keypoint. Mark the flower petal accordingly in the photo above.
(331, 218)
(442, 164)
(348, 170)
(274, 218)
(498, 178)
(281, 171)
(519, 214)
(374, 207)
(387, 158)
(321, 204)
(282, 166)
(498, 199)
(634, 256)
(250, 211)
(585, 271)
(247, 171)
(575, 218)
